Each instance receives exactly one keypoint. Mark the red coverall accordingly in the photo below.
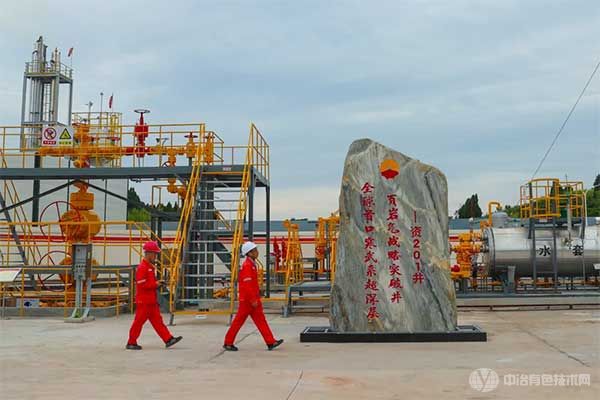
(147, 304)
(249, 292)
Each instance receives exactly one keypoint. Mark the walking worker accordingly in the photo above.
(249, 302)
(146, 300)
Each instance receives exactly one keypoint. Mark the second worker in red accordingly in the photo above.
(249, 302)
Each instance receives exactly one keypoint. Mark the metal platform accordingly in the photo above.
(324, 334)
(224, 171)
(27, 312)
(565, 299)
(304, 287)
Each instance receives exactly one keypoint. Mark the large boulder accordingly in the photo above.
(393, 252)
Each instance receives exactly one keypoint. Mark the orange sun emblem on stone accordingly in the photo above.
(389, 168)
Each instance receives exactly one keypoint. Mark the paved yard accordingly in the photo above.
(48, 359)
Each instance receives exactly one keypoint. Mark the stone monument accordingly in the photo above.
(393, 252)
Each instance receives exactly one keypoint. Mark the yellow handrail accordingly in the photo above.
(175, 258)
(238, 234)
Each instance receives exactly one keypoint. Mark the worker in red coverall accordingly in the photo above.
(249, 302)
(147, 301)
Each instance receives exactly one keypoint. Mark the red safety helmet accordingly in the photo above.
(151, 247)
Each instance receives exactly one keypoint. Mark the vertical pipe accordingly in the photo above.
(268, 238)
(532, 234)
(70, 105)
(23, 106)
(105, 199)
(55, 94)
(554, 255)
(582, 235)
(251, 204)
(35, 206)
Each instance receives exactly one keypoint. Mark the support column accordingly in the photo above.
(532, 236)
(35, 206)
(554, 255)
(251, 205)
(268, 240)
(70, 103)
(23, 141)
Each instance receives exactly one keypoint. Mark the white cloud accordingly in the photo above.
(475, 88)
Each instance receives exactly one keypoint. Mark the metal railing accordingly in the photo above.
(238, 234)
(117, 249)
(175, 258)
(10, 194)
(113, 145)
(545, 198)
(48, 67)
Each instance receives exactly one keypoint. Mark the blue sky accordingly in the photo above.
(476, 88)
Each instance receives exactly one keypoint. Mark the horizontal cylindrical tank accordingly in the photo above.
(512, 246)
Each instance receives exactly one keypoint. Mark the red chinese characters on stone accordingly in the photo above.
(393, 244)
(368, 215)
(393, 255)
(370, 257)
(391, 198)
(372, 314)
(395, 283)
(367, 188)
(369, 243)
(371, 285)
(393, 241)
(367, 203)
(418, 277)
(371, 298)
(416, 231)
(394, 270)
(371, 271)
(392, 214)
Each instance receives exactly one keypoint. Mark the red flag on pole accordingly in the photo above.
(70, 52)
(110, 99)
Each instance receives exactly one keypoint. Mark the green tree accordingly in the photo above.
(138, 214)
(132, 196)
(593, 202)
(513, 211)
(471, 208)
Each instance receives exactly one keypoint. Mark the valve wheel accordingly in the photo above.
(63, 224)
(52, 262)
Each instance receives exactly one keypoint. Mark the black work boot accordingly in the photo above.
(133, 347)
(172, 341)
(274, 345)
(230, 347)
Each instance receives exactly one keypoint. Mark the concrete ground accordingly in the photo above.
(48, 359)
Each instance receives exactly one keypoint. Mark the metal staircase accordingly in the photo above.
(202, 269)
(207, 264)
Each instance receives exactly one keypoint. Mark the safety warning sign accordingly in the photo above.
(57, 136)
(49, 136)
(66, 136)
